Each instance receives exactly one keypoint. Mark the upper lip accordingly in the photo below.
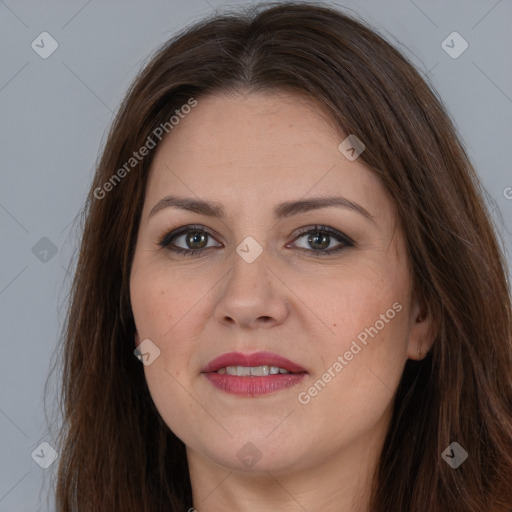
(256, 359)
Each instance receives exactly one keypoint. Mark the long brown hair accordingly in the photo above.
(116, 453)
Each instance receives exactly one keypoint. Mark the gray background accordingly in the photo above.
(55, 113)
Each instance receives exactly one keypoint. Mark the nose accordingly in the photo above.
(252, 295)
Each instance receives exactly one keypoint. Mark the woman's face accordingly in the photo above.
(265, 163)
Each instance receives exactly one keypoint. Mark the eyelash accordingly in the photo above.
(165, 241)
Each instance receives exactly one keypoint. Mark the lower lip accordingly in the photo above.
(254, 386)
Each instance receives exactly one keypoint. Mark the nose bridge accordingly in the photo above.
(251, 291)
(250, 262)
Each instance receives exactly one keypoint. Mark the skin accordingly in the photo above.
(249, 152)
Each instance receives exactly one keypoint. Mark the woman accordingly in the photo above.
(287, 233)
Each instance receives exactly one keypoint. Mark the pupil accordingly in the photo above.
(196, 237)
(324, 242)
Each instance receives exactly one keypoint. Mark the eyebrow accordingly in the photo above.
(282, 210)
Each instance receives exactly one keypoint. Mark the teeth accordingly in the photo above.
(256, 371)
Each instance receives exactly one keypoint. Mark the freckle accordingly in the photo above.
(334, 325)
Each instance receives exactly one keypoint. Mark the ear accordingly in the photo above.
(137, 339)
(421, 330)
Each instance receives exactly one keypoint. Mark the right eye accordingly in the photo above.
(195, 239)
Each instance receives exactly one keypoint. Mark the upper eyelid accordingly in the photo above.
(185, 229)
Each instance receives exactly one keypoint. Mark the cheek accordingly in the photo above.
(165, 310)
(161, 309)
(161, 301)
(369, 331)
(353, 297)
(362, 354)
(161, 316)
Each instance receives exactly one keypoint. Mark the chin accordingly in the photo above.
(252, 456)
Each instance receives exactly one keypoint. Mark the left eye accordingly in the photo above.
(196, 238)
(320, 237)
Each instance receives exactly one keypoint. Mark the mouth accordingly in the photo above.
(258, 364)
(252, 371)
(251, 375)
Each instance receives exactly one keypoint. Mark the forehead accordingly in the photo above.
(265, 146)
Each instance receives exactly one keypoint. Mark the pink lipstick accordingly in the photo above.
(253, 374)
